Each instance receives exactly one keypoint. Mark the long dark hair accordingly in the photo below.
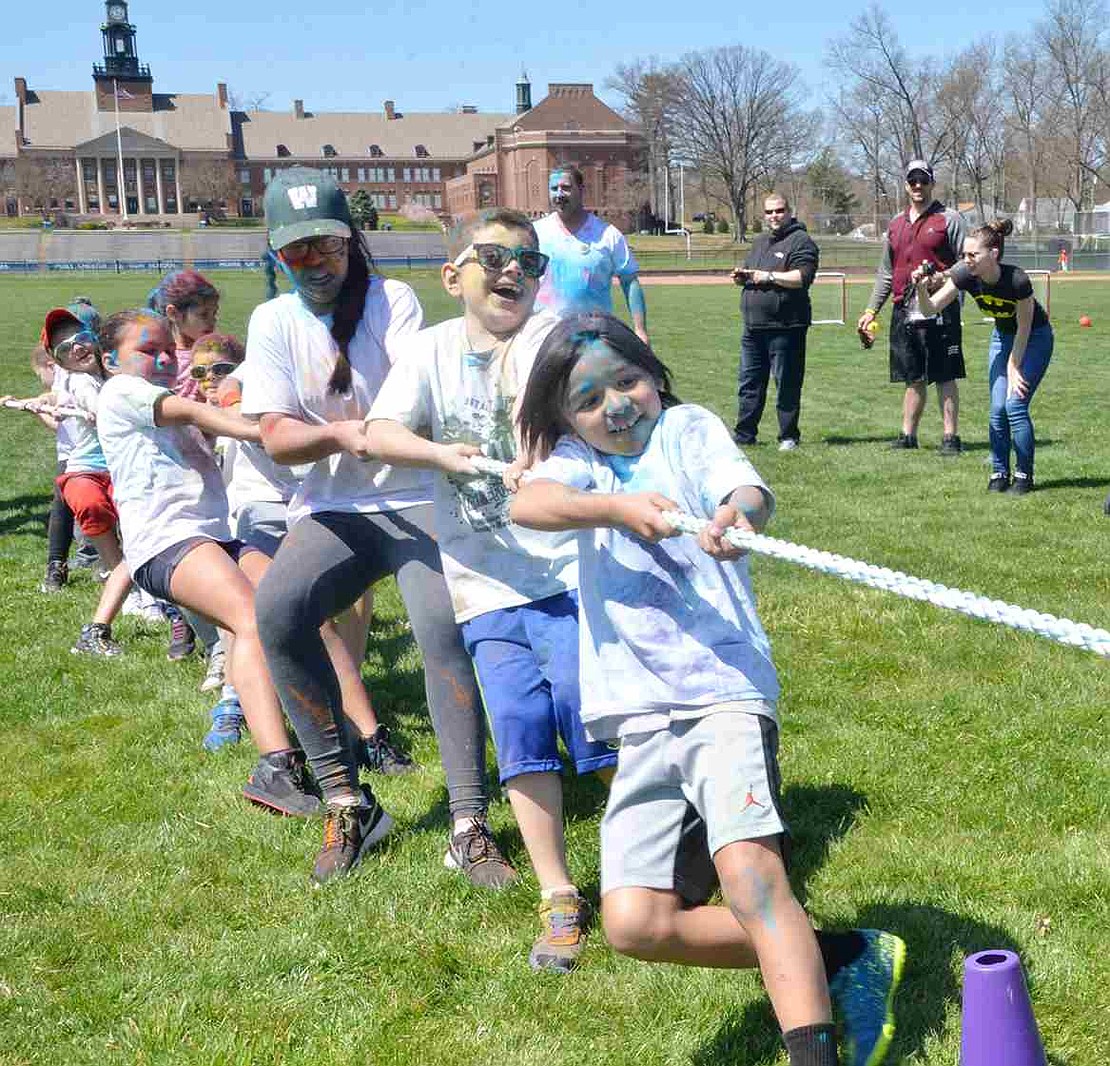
(542, 419)
(349, 304)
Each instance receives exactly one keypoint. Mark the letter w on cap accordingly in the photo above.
(302, 196)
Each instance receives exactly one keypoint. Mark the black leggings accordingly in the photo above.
(59, 526)
(325, 563)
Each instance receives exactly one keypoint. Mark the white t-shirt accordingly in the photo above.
(580, 274)
(166, 482)
(67, 427)
(441, 388)
(665, 630)
(85, 454)
(290, 358)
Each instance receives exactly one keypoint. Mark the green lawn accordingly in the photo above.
(945, 778)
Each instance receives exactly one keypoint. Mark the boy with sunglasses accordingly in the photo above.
(514, 590)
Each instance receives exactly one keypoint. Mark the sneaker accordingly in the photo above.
(557, 948)
(57, 574)
(96, 639)
(183, 641)
(86, 557)
(1021, 484)
(950, 445)
(281, 782)
(998, 483)
(214, 678)
(863, 993)
(788, 445)
(150, 612)
(376, 754)
(903, 442)
(475, 854)
(349, 832)
(227, 725)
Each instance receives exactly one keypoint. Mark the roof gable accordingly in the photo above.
(132, 141)
(570, 106)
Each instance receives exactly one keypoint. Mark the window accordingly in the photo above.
(361, 173)
(375, 152)
(435, 174)
(392, 201)
(282, 152)
(267, 174)
(406, 174)
(245, 177)
(392, 174)
(328, 151)
(438, 200)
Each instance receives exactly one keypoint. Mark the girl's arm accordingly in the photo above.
(934, 303)
(290, 441)
(549, 505)
(391, 442)
(1016, 381)
(171, 410)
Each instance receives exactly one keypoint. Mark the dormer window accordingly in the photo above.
(375, 151)
(420, 152)
(282, 151)
(328, 151)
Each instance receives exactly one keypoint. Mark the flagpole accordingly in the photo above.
(121, 185)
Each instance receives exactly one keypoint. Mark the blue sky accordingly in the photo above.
(434, 55)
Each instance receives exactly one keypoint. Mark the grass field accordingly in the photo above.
(945, 778)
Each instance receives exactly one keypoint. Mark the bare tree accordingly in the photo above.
(247, 101)
(45, 182)
(209, 183)
(740, 119)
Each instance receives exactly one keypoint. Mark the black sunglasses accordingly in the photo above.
(216, 370)
(495, 257)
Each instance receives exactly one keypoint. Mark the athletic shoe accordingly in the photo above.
(998, 483)
(183, 641)
(904, 442)
(86, 557)
(788, 445)
(227, 725)
(950, 445)
(214, 679)
(349, 832)
(1021, 484)
(149, 611)
(863, 993)
(281, 782)
(475, 854)
(376, 754)
(562, 918)
(96, 639)
(57, 574)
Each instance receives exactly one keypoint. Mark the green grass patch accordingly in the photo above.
(945, 778)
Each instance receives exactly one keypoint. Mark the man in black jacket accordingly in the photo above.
(776, 278)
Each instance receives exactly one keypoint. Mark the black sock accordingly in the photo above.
(811, 1045)
(840, 949)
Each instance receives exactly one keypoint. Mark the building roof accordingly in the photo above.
(194, 122)
(445, 135)
(569, 105)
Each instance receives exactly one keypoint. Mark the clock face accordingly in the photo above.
(117, 11)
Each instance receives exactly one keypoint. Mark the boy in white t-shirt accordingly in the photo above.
(514, 590)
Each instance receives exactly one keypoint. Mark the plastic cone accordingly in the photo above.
(998, 1024)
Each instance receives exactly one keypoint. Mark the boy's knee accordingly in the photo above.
(631, 926)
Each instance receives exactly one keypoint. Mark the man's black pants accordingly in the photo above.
(763, 352)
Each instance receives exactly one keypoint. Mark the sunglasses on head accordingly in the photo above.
(496, 257)
(215, 370)
(322, 246)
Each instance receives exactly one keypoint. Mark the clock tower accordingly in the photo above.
(121, 72)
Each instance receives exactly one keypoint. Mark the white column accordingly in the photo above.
(158, 186)
(100, 185)
(81, 205)
(139, 185)
(177, 185)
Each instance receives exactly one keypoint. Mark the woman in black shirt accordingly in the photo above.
(1020, 346)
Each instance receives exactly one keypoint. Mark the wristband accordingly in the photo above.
(770, 277)
(870, 311)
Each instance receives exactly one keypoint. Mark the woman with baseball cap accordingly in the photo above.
(316, 358)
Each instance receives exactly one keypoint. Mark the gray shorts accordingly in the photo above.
(683, 793)
(262, 525)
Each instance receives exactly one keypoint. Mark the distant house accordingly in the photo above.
(1054, 215)
(1091, 223)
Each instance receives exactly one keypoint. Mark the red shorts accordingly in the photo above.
(89, 497)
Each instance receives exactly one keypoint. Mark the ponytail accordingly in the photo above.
(269, 273)
(349, 307)
(994, 233)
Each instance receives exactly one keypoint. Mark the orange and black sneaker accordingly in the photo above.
(563, 920)
(475, 854)
(349, 832)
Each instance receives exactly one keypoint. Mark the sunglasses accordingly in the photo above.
(494, 258)
(85, 338)
(919, 181)
(325, 247)
(213, 370)
(774, 210)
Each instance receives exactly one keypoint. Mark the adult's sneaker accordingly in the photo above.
(1021, 484)
(563, 920)
(349, 832)
(788, 444)
(280, 782)
(96, 639)
(863, 994)
(57, 574)
(86, 557)
(214, 677)
(227, 725)
(904, 442)
(475, 854)
(183, 641)
(145, 608)
(950, 445)
(379, 755)
(998, 483)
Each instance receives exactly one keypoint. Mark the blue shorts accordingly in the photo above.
(527, 663)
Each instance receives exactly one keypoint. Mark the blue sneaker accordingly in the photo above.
(863, 994)
(227, 725)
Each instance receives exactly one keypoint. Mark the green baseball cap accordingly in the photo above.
(302, 202)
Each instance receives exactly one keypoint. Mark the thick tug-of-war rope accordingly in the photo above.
(1061, 630)
(60, 411)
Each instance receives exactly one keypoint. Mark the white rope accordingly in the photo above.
(59, 411)
(1061, 630)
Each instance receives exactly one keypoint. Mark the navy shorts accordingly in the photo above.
(155, 575)
(526, 659)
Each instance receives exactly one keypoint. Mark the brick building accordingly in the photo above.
(124, 151)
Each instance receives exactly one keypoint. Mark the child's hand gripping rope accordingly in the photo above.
(1061, 630)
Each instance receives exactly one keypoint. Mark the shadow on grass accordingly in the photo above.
(1073, 482)
(25, 514)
